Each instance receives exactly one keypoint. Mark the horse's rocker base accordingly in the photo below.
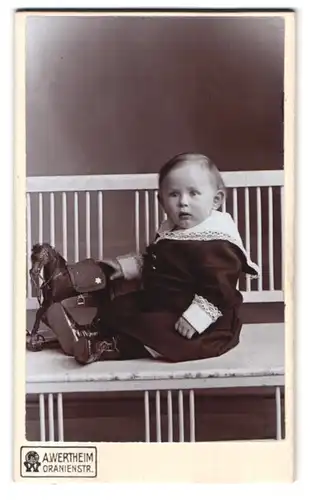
(70, 326)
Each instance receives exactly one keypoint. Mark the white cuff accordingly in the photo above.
(201, 314)
(131, 265)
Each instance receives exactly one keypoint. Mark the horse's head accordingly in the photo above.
(41, 255)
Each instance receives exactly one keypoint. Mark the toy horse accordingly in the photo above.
(86, 280)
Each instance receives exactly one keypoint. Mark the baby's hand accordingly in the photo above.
(184, 328)
(118, 273)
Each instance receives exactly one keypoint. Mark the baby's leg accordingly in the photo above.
(157, 331)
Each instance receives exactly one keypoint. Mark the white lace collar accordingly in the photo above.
(218, 226)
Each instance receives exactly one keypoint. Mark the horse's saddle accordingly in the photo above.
(87, 276)
(78, 315)
(83, 308)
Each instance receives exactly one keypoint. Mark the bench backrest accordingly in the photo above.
(70, 212)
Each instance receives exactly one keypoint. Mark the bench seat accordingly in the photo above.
(257, 361)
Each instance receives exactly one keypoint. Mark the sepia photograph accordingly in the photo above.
(154, 218)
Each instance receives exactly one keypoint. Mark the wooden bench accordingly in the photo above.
(255, 200)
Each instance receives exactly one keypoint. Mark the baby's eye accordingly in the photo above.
(194, 193)
(173, 194)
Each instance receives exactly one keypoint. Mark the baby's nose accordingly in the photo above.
(183, 201)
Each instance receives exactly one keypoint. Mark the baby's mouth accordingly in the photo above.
(184, 215)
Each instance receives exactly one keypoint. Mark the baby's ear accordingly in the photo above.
(218, 199)
(159, 199)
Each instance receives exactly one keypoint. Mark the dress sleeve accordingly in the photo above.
(217, 266)
(131, 265)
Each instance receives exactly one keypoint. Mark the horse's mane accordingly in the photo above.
(39, 248)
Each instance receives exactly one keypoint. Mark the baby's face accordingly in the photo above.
(188, 194)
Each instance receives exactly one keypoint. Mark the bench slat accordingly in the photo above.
(126, 182)
(257, 360)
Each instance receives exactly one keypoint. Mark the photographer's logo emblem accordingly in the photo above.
(58, 461)
(32, 462)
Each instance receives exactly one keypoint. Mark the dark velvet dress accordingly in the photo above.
(193, 277)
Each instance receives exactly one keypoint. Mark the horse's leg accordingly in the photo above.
(40, 312)
(34, 342)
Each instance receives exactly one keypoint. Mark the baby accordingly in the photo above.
(188, 304)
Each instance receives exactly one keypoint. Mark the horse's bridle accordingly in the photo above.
(35, 278)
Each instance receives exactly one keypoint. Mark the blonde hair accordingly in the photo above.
(195, 157)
